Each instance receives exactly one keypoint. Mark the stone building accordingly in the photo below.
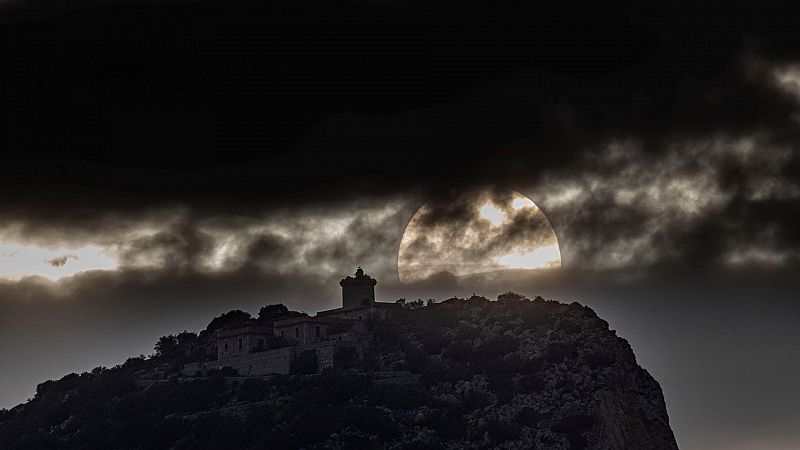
(358, 300)
(245, 348)
(240, 342)
(301, 330)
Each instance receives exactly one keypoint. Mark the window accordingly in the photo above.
(297, 332)
(261, 342)
(240, 344)
(226, 345)
(283, 333)
(317, 330)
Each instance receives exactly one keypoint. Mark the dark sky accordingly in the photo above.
(236, 153)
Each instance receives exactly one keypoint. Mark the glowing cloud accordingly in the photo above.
(540, 258)
(477, 232)
(18, 260)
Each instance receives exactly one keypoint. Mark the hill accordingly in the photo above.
(464, 373)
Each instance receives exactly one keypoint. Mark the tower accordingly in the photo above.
(358, 290)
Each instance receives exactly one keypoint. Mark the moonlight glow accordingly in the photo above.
(477, 232)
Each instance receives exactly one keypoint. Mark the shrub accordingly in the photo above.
(398, 396)
(501, 430)
(572, 427)
(229, 372)
(474, 399)
(495, 349)
(345, 357)
(598, 360)
(459, 351)
(531, 383)
(434, 343)
(337, 388)
(528, 417)
(229, 320)
(254, 389)
(416, 361)
(508, 297)
(567, 326)
(305, 363)
(451, 425)
(558, 351)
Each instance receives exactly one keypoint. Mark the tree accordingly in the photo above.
(510, 297)
(231, 319)
(415, 304)
(170, 346)
(270, 312)
(167, 346)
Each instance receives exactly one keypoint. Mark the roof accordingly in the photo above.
(359, 278)
(384, 305)
(250, 329)
(297, 320)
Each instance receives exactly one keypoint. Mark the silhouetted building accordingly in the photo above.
(358, 299)
(240, 342)
(358, 290)
(244, 348)
(301, 330)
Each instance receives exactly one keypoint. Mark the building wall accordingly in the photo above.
(324, 351)
(303, 333)
(278, 361)
(363, 313)
(353, 294)
(264, 363)
(249, 342)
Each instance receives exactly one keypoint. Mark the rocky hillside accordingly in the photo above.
(464, 373)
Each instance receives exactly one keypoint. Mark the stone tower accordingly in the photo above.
(358, 290)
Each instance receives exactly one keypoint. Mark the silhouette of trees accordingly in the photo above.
(231, 319)
(510, 297)
(272, 312)
(467, 354)
(558, 351)
(171, 346)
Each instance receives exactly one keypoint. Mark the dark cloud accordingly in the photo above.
(372, 98)
(451, 234)
(60, 260)
(202, 121)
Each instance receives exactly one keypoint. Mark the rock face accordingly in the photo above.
(574, 383)
(464, 373)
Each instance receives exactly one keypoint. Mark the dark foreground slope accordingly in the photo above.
(459, 374)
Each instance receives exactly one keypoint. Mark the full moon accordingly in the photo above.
(477, 232)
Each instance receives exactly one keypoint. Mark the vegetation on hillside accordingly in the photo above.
(463, 373)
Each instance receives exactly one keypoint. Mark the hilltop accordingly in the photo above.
(463, 373)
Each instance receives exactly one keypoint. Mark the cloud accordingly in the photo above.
(59, 261)
(640, 159)
(698, 203)
(453, 234)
